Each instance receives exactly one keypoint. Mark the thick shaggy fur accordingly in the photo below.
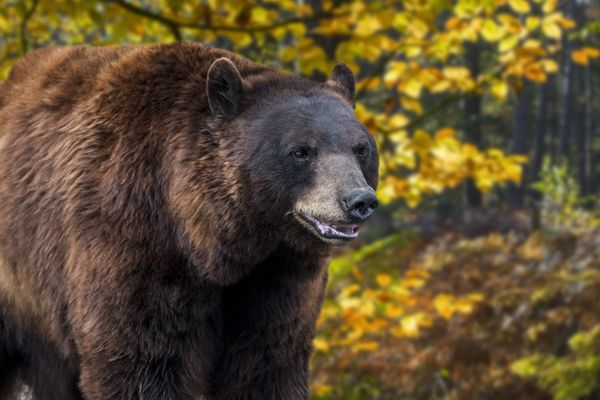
(141, 257)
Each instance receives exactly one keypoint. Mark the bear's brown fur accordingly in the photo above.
(141, 253)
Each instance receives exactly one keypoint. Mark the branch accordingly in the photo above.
(174, 24)
(433, 110)
(445, 102)
(23, 27)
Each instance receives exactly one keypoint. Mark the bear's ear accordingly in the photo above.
(224, 88)
(343, 79)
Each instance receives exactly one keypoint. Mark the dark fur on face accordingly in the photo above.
(167, 215)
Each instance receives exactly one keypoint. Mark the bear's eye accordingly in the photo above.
(299, 154)
(362, 151)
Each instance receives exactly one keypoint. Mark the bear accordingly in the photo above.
(168, 214)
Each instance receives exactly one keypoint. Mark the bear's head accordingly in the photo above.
(294, 165)
(303, 152)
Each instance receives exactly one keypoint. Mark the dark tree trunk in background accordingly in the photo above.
(580, 130)
(518, 143)
(472, 115)
(567, 90)
(328, 43)
(538, 152)
(553, 107)
(592, 127)
(539, 141)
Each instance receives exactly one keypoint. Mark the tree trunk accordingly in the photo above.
(567, 90)
(592, 128)
(581, 132)
(539, 141)
(472, 118)
(553, 120)
(519, 139)
(538, 151)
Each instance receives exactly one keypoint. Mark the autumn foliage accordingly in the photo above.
(495, 317)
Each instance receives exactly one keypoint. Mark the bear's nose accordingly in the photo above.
(360, 204)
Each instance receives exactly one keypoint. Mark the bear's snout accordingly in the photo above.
(360, 203)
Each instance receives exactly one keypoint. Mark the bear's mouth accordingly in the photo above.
(331, 232)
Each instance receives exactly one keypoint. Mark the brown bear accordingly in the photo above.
(166, 218)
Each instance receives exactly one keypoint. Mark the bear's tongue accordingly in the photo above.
(334, 231)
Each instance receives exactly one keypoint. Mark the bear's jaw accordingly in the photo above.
(329, 232)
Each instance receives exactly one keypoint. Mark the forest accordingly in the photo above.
(478, 278)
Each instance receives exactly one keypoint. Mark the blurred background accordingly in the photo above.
(479, 278)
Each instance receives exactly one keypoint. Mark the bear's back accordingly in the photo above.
(36, 106)
(47, 77)
(63, 115)
(82, 135)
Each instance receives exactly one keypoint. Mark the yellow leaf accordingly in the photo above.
(499, 89)
(383, 280)
(520, 6)
(413, 51)
(413, 282)
(240, 39)
(321, 345)
(411, 87)
(443, 305)
(532, 44)
(457, 73)
(550, 66)
(580, 57)
(549, 6)
(298, 30)
(440, 86)
(367, 309)
(445, 133)
(404, 156)
(591, 52)
(321, 389)
(261, 16)
(367, 25)
(349, 303)
(288, 54)
(398, 121)
(421, 140)
(395, 71)
(475, 297)
(551, 29)
(349, 290)
(453, 23)
(365, 346)
(490, 31)
(510, 23)
(484, 184)
(304, 10)
(418, 28)
(355, 334)
(4, 24)
(508, 43)
(411, 324)
(534, 72)
(532, 23)
(566, 23)
(279, 33)
(411, 105)
(397, 331)
(412, 198)
(394, 311)
(358, 275)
